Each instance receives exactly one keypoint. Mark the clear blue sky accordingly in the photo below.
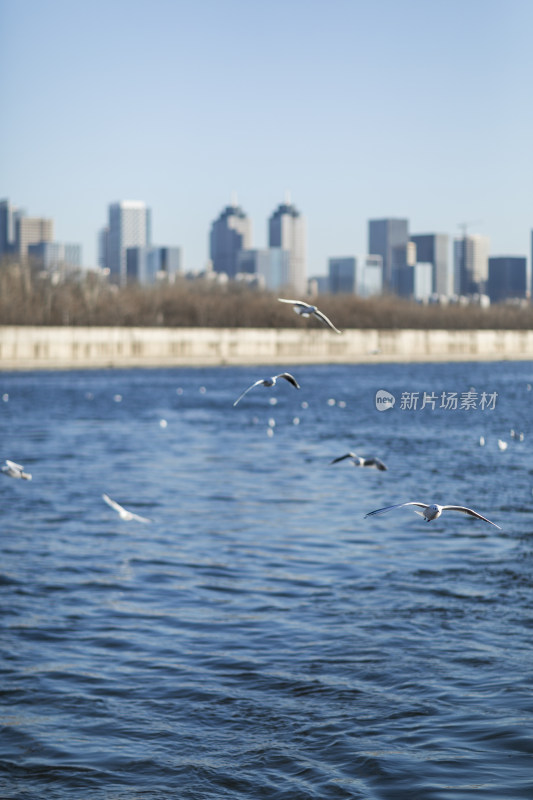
(414, 108)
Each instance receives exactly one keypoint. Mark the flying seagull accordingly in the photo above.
(433, 511)
(127, 516)
(358, 461)
(269, 382)
(306, 310)
(15, 470)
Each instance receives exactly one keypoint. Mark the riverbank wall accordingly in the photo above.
(28, 348)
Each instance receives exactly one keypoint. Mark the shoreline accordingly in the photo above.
(26, 348)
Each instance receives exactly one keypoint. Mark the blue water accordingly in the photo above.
(260, 638)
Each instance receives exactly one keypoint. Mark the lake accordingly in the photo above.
(260, 638)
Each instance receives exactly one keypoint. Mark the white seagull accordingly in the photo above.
(306, 310)
(123, 513)
(433, 511)
(269, 382)
(15, 470)
(358, 461)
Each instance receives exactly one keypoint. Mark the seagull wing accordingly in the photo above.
(290, 378)
(12, 464)
(470, 512)
(116, 506)
(390, 508)
(137, 517)
(327, 321)
(341, 458)
(299, 303)
(247, 390)
(375, 462)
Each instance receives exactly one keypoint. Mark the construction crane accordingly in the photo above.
(464, 226)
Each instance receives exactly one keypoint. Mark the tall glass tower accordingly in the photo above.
(230, 233)
(129, 226)
(389, 239)
(287, 229)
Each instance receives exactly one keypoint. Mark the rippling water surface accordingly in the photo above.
(259, 638)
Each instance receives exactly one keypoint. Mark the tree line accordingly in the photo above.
(29, 296)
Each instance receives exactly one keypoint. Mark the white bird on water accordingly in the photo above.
(358, 461)
(123, 513)
(15, 470)
(270, 382)
(433, 511)
(306, 310)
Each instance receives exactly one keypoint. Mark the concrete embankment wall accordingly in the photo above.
(26, 347)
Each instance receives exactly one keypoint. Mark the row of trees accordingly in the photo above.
(32, 297)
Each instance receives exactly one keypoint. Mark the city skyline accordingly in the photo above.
(362, 111)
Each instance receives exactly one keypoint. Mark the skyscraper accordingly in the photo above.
(471, 264)
(8, 218)
(389, 238)
(129, 226)
(507, 278)
(432, 248)
(287, 230)
(230, 233)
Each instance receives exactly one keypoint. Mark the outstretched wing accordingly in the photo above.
(116, 506)
(375, 462)
(247, 390)
(390, 508)
(290, 378)
(341, 458)
(12, 464)
(470, 512)
(325, 320)
(299, 303)
(137, 517)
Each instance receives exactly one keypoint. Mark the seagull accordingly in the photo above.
(358, 461)
(269, 382)
(15, 470)
(306, 310)
(127, 516)
(433, 511)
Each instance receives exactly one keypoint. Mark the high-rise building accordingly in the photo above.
(389, 238)
(56, 255)
(471, 264)
(361, 275)
(287, 230)
(415, 281)
(8, 219)
(271, 265)
(129, 225)
(147, 265)
(32, 230)
(507, 278)
(230, 233)
(432, 248)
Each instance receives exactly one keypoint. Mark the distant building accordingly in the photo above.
(389, 238)
(361, 275)
(53, 256)
(507, 278)
(415, 281)
(433, 248)
(8, 221)
(471, 264)
(271, 265)
(287, 230)
(147, 265)
(32, 230)
(129, 225)
(341, 275)
(230, 233)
